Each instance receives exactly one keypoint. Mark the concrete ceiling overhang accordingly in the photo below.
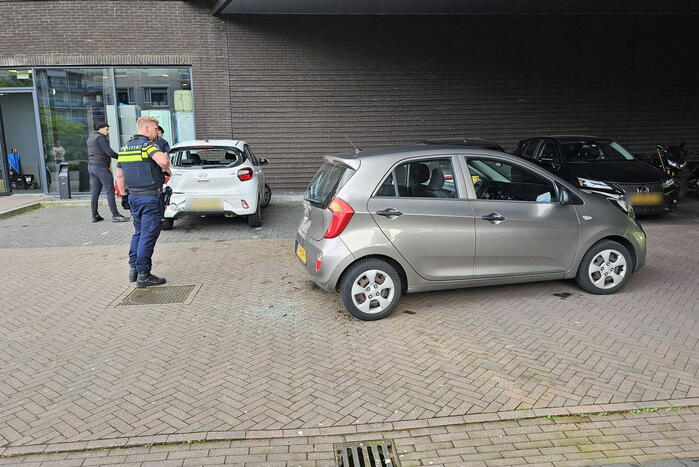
(450, 7)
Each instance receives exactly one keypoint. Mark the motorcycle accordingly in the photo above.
(672, 161)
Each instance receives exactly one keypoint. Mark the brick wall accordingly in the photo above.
(300, 84)
(138, 32)
(296, 86)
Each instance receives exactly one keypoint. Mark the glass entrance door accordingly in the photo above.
(21, 148)
(4, 181)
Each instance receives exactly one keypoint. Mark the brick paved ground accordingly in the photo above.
(260, 350)
(565, 441)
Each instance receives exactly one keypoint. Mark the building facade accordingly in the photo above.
(299, 86)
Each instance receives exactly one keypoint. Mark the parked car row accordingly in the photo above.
(445, 214)
(462, 213)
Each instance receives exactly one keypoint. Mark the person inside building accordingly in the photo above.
(59, 152)
(141, 168)
(161, 141)
(100, 157)
(14, 162)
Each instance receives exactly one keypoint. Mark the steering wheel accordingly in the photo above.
(481, 187)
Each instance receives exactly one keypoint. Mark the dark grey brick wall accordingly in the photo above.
(300, 84)
(295, 86)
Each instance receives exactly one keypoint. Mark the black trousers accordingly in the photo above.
(101, 176)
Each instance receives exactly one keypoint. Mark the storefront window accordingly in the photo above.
(163, 93)
(71, 101)
(16, 78)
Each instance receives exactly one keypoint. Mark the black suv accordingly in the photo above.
(604, 166)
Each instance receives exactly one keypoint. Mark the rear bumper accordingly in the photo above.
(232, 205)
(335, 259)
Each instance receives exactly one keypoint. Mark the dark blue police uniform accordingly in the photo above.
(144, 179)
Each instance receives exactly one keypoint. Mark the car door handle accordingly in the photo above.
(493, 217)
(389, 213)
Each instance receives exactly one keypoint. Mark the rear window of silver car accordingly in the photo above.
(326, 183)
(208, 157)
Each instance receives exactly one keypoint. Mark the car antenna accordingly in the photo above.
(356, 149)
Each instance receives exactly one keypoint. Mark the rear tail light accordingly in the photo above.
(319, 260)
(342, 213)
(244, 203)
(245, 174)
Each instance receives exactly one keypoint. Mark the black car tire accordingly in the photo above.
(255, 219)
(355, 272)
(584, 278)
(266, 196)
(168, 223)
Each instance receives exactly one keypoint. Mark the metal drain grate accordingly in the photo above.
(162, 295)
(366, 454)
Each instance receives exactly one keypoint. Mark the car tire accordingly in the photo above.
(168, 223)
(266, 196)
(606, 268)
(377, 275)
(255, 219)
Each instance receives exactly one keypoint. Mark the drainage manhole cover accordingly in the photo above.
(367, 454)
(162, 295)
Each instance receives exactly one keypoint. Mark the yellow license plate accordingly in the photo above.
(301, 253)
(647, 199)
(205, 204)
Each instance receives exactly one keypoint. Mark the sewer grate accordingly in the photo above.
(366, 454)
(161, 295)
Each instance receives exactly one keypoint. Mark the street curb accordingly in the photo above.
(356, 431)
(286, 196)
(20, 210)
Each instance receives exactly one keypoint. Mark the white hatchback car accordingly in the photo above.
(212, 177)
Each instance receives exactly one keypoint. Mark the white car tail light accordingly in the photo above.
(245, 174)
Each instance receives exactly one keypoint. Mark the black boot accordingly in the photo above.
(132, 273)
(97, 218)
(146, 279)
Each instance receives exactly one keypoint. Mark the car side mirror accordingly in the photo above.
(264, 162)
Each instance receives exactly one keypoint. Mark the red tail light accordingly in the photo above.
(342, 213)
(245, 174)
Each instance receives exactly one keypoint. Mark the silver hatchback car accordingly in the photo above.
(380, 224)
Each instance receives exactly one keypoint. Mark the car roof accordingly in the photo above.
(236, 143)
(403, 152)
(465, 142)
(570, 138)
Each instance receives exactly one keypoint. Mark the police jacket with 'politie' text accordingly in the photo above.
(143, 176)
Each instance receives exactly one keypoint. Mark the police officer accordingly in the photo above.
(142, 167)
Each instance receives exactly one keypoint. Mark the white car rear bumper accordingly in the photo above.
(197, 204)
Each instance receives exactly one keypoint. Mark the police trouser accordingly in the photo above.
(147, 214)
(101, 176)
